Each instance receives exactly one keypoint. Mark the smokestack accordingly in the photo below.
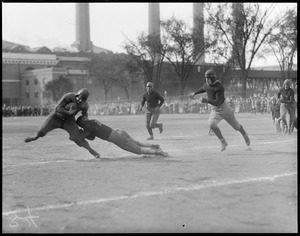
(154, 18)
(199, 28)
(238, 21)
(83, 42)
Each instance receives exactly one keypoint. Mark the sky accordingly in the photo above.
(53, 24)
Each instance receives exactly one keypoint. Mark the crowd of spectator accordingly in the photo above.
(8, 111)
(253, 104)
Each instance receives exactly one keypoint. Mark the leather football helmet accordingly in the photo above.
(210, 76)
(287, 82)
(83, 93)
(210, 73)
(149, 84)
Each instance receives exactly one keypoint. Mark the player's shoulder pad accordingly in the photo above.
(70, 97)
(67, 98)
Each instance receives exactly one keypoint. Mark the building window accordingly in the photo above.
(36, 94)
(27, 82)
(27, 94)
(35, 81)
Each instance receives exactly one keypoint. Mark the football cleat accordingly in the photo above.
(247, 139)
(157, 146)
(224, 144)
(150, 138)
(95, 154)
(160, 128)
(29, 139)
(164, 154)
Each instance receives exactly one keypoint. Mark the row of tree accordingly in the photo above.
(236, 34)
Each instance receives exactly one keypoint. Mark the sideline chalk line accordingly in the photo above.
(145, 194)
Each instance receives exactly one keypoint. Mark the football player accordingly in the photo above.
(65, 119)
(154, 102)
(286, 96)
(94, 128)
(219, 108)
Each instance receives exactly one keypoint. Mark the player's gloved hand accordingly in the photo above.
(192, 95)
(204, 100)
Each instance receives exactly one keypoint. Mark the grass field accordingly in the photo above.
(53, 186)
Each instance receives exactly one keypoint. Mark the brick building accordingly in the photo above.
(24, 75)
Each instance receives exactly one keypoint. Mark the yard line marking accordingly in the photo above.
(35, 163)
(170, 190)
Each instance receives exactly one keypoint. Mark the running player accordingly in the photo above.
(65, 119)
(219, 108)
(286, 96)
(154, 102)
(93, 128)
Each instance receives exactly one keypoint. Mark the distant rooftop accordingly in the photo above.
(16, 47)
(29, 56)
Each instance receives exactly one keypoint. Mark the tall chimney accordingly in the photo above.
(83, 42)
(198, 26)
(154, 18)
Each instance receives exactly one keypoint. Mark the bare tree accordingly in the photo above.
(243, 35)
(145, 51)
(183, 48)
(125, 71)
(283, 43)
(100, 68)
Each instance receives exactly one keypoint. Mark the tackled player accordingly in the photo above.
(63, 117)
(93, 128)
